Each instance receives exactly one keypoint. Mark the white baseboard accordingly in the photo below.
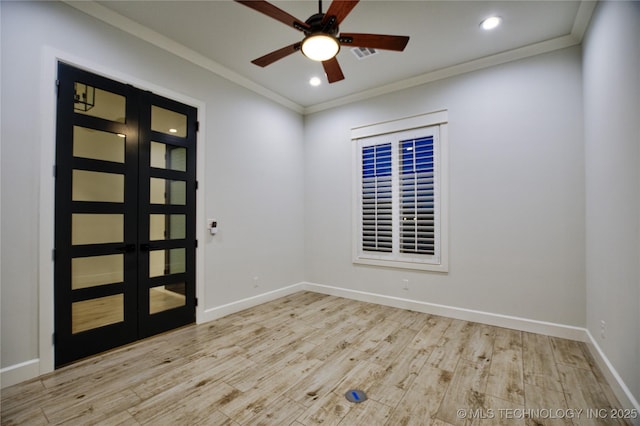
(17, 373)
(620, 389)
(240, 305)
(498, 320)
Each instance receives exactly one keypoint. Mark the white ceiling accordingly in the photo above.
(445, 38)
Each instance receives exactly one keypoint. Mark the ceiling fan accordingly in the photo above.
(322, 42)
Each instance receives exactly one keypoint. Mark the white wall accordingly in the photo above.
(253, 166)
(612, 140)
(516, 199)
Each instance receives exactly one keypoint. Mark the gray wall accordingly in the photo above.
(612, 141)
(253, 148)
(516, 199)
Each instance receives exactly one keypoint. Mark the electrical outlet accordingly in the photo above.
(603, 329)
(255, 281)
(405, 284)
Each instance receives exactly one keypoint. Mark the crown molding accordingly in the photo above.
(580, 25)
(452, 71)
(129, 26)
(583, 18)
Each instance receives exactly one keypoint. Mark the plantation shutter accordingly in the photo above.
(417, 196)
(377, 198)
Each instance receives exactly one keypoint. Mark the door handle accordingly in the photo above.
(127, 248)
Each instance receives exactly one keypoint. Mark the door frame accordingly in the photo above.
(46, 225)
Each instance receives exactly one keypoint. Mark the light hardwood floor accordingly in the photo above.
(290, 362)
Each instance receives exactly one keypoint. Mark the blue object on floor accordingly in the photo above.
(356, 396)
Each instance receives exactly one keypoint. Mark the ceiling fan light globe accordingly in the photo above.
(320, 47)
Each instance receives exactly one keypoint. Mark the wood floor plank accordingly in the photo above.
(321, 380)
(290, 361)
(539, 398)
(26, 416)
(15, 398)
(506, 377)
(499, 412)
(368, 413)
(466, 391)
(445, 356)
(391, 346)
(91, 408)
(568, 352)
(282, 412)
(249, 404)
(398, 377)
(479, 345)
(538, 361)
(372, 336)
(422, 399)
(361, 377)
(581, 389)
(429, 336)
(327, 410)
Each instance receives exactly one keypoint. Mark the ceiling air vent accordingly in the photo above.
(363, 52)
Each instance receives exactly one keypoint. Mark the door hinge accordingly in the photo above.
(53, 339)
(196, 185)
(53, 255)
(57, 87)
(196, 301)
(55, 171)
(197, 126)
(196, 244)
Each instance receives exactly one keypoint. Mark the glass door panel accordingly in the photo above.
(166, 262)
(93, 271)
(98, 145)
(164, 156)
(165, 297)
(167, 227)
(98, 186)
(169, 122)
(165, 191)
(98, 312)
(96, 228)
(96, 102)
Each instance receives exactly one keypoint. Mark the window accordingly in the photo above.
(400, 201)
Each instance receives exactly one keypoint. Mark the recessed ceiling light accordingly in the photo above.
(173, 130)
(491, 22)
(315, 81)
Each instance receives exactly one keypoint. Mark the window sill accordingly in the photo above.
(440, 267)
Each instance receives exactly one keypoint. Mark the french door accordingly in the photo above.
(124, 214)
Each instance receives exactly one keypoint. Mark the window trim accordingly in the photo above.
(437, 119)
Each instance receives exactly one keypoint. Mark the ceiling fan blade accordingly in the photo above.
(275, 13)
(340, 9)
(375, 41)
(333, 70)
(270, 58)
